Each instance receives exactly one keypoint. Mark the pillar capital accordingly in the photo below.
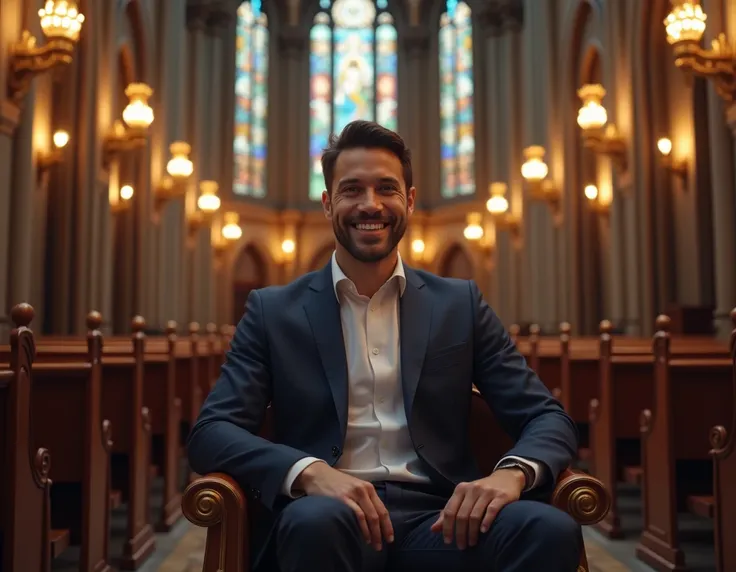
(500, 16)
(416, 41)
(293, 41)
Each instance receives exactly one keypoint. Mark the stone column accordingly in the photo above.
(540, 233)
(10, 32)
(722, 161)
(291, 183)
(32, 135)
(196, 112)
(501, 283)
(418, 110)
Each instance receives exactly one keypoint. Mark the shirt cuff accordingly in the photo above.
(534, 466)
(295, 470)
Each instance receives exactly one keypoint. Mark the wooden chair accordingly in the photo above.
(217, 503)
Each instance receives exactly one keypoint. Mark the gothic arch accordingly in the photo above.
(311, 8)
(259, 252)
(140, 21)
(456, 261)
(249, 272)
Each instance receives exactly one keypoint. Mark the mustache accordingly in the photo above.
(390, 219)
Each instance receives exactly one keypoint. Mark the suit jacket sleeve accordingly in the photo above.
(521, 403)
(224, 438)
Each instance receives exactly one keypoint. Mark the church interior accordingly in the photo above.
(160, 160)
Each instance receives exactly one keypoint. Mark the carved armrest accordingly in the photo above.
(217, 503)
(582, 496)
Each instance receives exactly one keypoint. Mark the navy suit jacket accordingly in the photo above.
(288, 351)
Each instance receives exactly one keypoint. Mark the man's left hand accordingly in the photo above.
(474, 505)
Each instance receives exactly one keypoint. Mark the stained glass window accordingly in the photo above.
(251, 101)
(352, 73)
(457, 136)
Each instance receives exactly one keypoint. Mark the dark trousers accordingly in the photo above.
(322, 534)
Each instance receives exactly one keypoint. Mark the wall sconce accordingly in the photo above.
(179, 169)
(229, 234)
(288, 250)
(417, 249)
(132, 132)
(498, 207)
(535, 171)
(594, 199)
(120, 201)
(208, 204)
(47, 159)
(476, 235)
(600, 137)
(685, 26)
(676, 166)
(474, 229)
(61, 23)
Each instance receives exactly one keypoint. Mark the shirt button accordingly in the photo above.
(335, 451)
(375, 351)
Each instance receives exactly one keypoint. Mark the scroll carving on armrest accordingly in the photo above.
(582, 496)
(217, 503)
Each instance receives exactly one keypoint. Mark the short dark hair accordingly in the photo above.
(368, 134)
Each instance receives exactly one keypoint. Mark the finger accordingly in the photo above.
(437, 526)
(477, 514)
(371, 515)
(449, 513)
(384, 518)
(462, 520)
(361, 519)
(491, 512)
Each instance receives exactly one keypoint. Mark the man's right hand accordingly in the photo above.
(319, 479)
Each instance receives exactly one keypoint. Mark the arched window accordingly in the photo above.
(251, 101)
(456, 101)
(352, 73)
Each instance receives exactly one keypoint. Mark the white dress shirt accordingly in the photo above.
(377, 443)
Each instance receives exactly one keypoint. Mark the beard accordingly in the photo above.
(372, 249)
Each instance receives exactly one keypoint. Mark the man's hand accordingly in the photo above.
(319, 479)
(473, 506)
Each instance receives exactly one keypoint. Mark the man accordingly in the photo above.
(369, 367)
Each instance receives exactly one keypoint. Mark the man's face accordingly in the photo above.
(370, 204)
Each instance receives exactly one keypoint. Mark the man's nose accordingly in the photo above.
(371, 201)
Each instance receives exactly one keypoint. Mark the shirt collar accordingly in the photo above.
(338, 276)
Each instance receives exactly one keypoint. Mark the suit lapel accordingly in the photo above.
(323, 312)
(416, 319)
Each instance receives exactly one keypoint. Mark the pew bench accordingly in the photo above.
(217, 503)
(693, 391)
(27, 541)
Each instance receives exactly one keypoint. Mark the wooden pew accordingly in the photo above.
(723, 452)
(26, 540)
(66, 416)
(123, 404)
(122, 365)
(692, 393)
(188, 388)
(625, 388)
(544, 357)
(159, 395)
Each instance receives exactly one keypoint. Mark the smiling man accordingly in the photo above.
(369, 367)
